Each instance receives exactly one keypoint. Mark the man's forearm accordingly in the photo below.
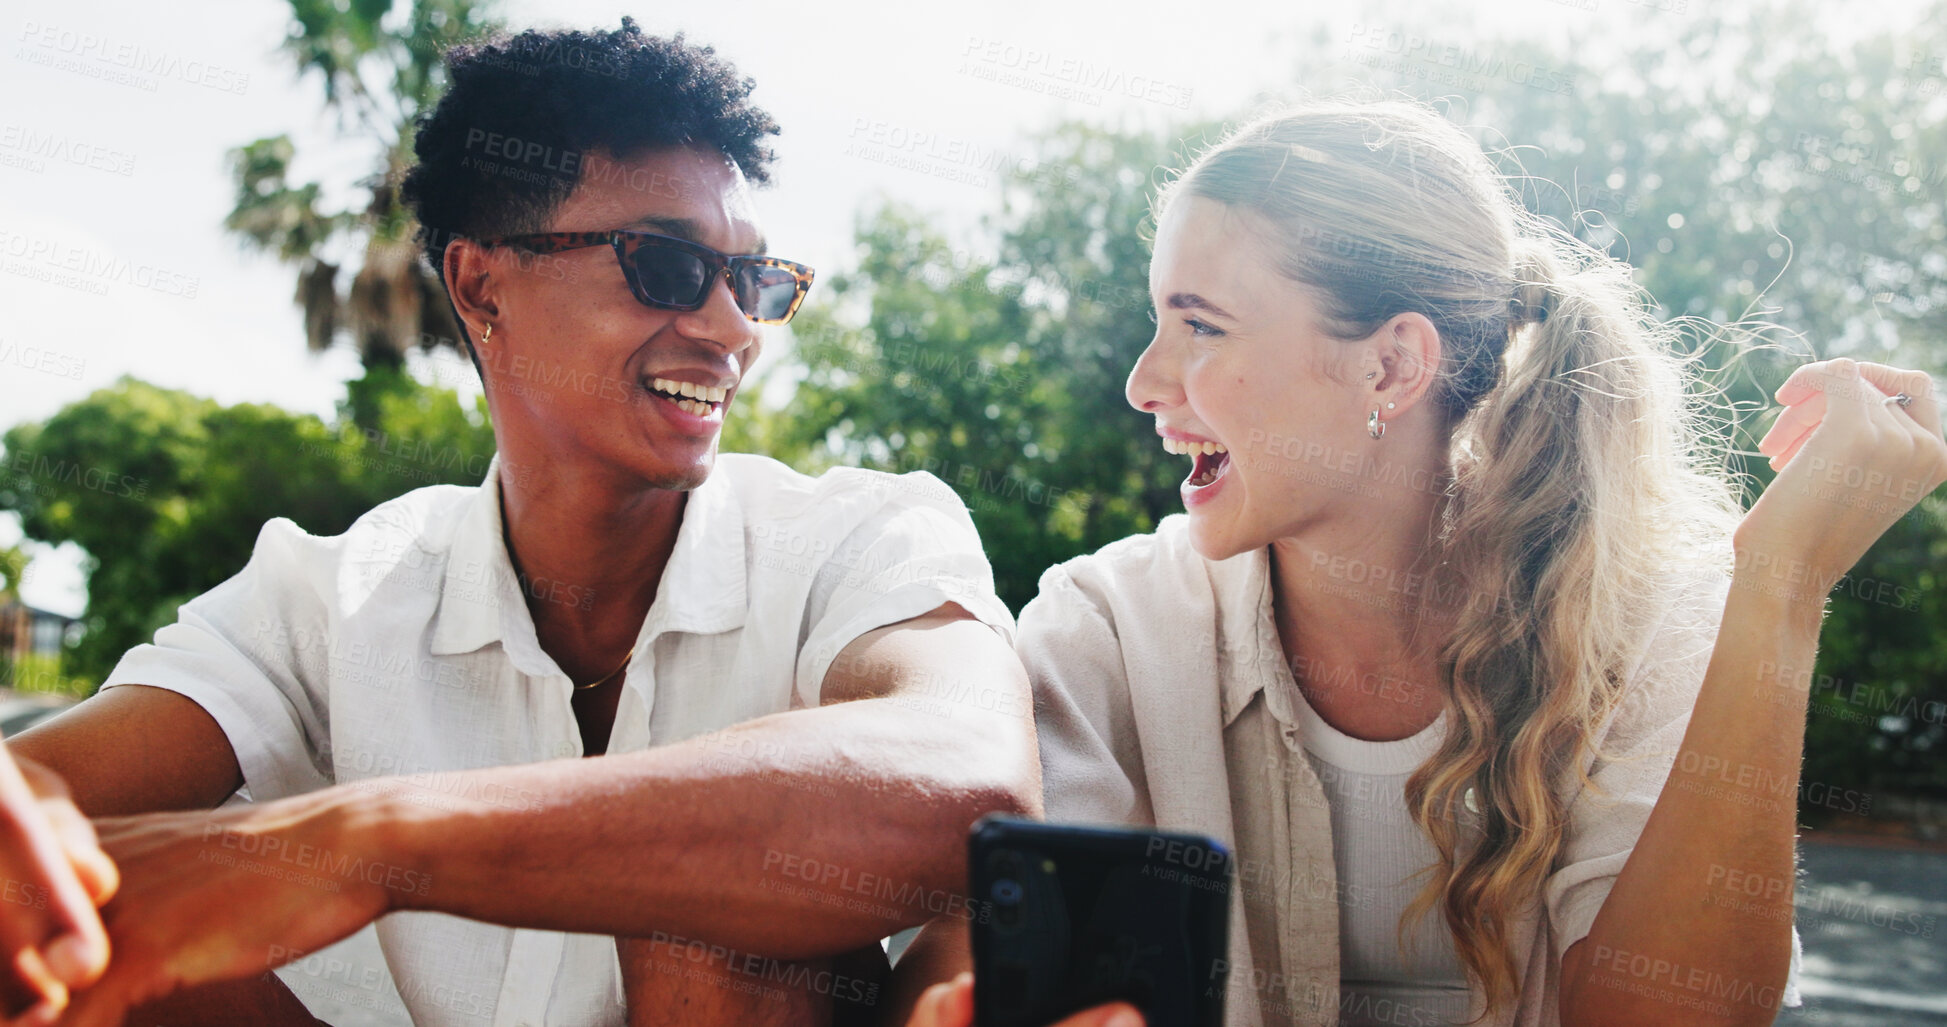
(790, 836)
(261, 1001)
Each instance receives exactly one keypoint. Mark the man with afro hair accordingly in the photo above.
(802, 690)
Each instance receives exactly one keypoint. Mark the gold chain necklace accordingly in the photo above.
(604, 678)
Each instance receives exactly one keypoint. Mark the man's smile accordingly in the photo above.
(703, 401)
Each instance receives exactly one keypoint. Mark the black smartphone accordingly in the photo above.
(1074, 916)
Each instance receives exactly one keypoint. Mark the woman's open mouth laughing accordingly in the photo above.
(1212, 459)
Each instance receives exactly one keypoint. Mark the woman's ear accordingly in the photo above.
(1408, 350)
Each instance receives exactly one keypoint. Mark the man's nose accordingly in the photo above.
(719, 321)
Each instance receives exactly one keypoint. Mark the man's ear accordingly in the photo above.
(468, 269)
(1408, 350)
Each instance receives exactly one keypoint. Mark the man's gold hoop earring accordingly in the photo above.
(486, 333)
(1375, 427)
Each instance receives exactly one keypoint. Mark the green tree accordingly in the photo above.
(167, 491)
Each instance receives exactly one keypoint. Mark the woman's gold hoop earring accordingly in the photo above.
(486, 333)
(1375, 427)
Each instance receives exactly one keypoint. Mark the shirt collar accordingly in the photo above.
(1247, 629)
(702, 589)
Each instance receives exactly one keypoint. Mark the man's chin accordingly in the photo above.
(684, 477)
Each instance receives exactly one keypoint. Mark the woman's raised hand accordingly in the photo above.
(1851, 460)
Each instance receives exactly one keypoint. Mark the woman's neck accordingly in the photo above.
(1359, 615)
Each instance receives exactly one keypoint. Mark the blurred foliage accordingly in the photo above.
(13, 570)
(167, 491)
(1778, 199)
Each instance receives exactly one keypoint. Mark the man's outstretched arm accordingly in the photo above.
(794, 835)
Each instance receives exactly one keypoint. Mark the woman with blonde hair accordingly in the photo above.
(1463, 643)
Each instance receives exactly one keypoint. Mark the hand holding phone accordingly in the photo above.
(1076, 917)
(952, 1005)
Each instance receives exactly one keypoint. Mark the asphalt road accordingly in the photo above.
(1873, 920)
(1874, 923)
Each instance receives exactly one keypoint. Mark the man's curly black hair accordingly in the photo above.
(504, 146)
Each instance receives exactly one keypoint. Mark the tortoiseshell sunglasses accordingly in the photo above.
(668, 273)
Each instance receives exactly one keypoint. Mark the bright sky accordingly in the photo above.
(118, 114)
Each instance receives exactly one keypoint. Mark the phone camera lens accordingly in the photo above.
(1006, 892)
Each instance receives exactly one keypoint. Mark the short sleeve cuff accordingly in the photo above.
(901, 603)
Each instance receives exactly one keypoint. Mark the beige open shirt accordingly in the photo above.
(1162, 698)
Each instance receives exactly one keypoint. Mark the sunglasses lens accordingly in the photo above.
(766, 292)
(670, 276)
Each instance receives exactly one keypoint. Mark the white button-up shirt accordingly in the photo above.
(406, 646)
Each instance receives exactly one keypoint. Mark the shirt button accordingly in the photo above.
(564, 749)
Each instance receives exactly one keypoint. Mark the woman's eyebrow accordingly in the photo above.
(1192, 301)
